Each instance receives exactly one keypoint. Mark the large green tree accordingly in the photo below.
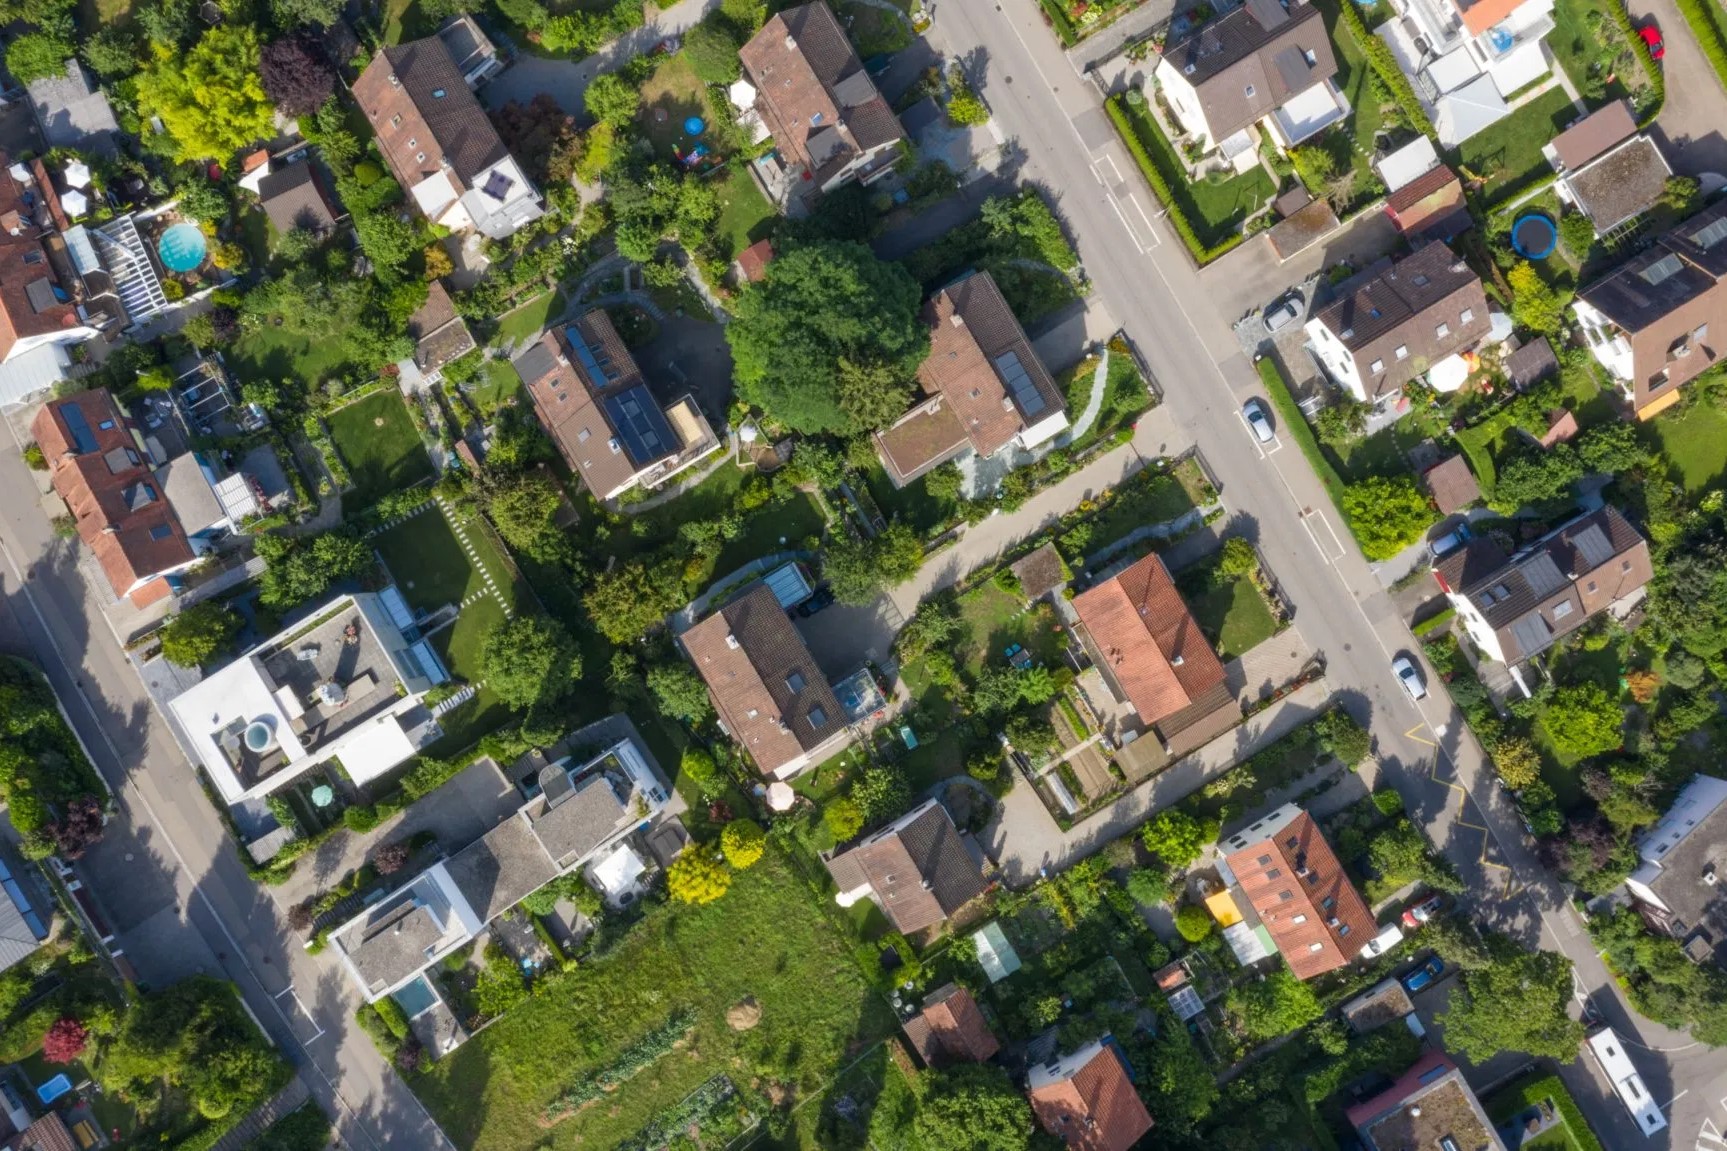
(1515, 1003)
(530, 660)
(1386, 513)
(819, 306)
(631, 598)
(1582, 720)
(1273, 1006)
(679, 692)
(1537, 477)
(1176, 837)
(210, 99)
(974, 1107)
(198, 633)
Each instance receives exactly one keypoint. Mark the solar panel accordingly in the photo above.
(1661, 270)
(641, 426)
(594, 360)
(1019, 384)
(1712, 234)
(83, 439)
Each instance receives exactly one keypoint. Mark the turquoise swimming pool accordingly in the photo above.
(182, 248)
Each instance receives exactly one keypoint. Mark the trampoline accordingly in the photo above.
(1534, 237)
(181, 248)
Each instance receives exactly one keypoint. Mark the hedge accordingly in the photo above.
(306, 1128)
(1289, 413)
(1434, 623)
(1160, 185)
(1384, 64)
(1657, 80)
(1533, 1091)
(1706, 21)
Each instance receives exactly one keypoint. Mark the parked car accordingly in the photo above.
(1409, 676)
(1423, 976)
(1253, 411)
(1651, 35)
(1451, 541)
(822, 597)
(1282, 312)
(1418, 913)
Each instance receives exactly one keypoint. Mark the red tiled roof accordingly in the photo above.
(1149, 641)
(971, 328)
(1096, 1109)
(28, 304)
(122, 514)
(1434, 193)
(419, 105)
(753, 261)
(951, 1029)
(48, 1133)
(1312, 936)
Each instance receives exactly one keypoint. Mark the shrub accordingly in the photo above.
(390, 858)
(1577, 233)
(1148, 885)
(844, 819)
(1390, 73)
(1148, 167)
(395, 1019)
(743, 842)
(1388, 801)
(34, 457)
(198, 633)
(1706, 24)
(1193, 922)
(1582, 720)
(697, 877)
(698, 765)
(65, 1041)
(1386, 513)
(1176, 837)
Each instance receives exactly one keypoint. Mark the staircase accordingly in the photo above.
(455, 701)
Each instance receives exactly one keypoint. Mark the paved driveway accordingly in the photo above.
(1691, 126)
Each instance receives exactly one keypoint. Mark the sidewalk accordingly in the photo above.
(1023, 836)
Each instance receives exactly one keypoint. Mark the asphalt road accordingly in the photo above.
(166, 873)
(1054, 118)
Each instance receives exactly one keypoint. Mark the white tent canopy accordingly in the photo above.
(78, 174)
(75, 202)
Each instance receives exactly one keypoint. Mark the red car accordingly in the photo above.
(1652, 37)
(1419, 913)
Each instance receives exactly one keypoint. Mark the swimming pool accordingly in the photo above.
(415, 997)
(182, 248)
(53, 1089)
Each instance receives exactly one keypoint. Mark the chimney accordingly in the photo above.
(731, 641)
(956, 320)
(791, 42)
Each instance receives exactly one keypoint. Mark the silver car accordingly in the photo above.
(1282, 313)
(1253, 411)
(1409, 676)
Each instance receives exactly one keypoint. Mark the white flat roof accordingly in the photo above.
(435, 193)
(1404, 165)
(617, 872)
(1520, 68)
(1468, 110)
(237, 694)
(373, 748)
(1453, 70)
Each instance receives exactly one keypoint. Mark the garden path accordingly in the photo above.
(1093, 403)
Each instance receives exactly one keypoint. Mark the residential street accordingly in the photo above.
(1692, 128)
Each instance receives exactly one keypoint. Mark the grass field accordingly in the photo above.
(1232, 613)
(267, 353)
(523, 323)
(1572, 1134)
(1508, 154)
(1214, 206)
(766, 939)
(1574, 43)
(1694, 440)
(1495, 439)
(380, 445)
(745, 214)
(1148, 499)
(913, 504)
(497, 385)
(669, 97)
(432, 569)
(1365, 121)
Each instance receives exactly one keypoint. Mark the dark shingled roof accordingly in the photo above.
(395, 946)
(496, 871)
(292, 199)
(1594, 135)
(1250, 61)
(1452, 485)
(1624, 183)
(429, 78)
(1531, 364)
(921, 873)
(580, 820)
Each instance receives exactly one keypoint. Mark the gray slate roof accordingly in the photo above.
(73, 112)
(496, 871)
(1252, 60)
(577, 822)
(395, 946)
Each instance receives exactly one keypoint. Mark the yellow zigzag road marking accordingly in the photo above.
(1462, 793)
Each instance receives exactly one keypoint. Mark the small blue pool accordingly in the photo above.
(182, 248)
(53, 1089)
(415, 998)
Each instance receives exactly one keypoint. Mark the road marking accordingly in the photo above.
(1668, 1106)
(1133, 198)
(1411, 734)
(289, 990)
(1106, 158)
(1118, 215)
(1341, 550)
(1314, 538)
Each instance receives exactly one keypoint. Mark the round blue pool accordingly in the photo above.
(1534, 236)
(181, 248)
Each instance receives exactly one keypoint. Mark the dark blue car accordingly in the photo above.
(1424, 976)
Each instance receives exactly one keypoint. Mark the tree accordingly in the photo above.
(1273, 1006)
(1535, 305)
(299, 568)
(1612, 448)
(211, 99)
(631, 598)
(1339, 734)
(525, 509)
(844, 818)
(1457, 941)
(964, 109)
(1577, 233)
(1148, 885)
(78, 828)
(437, 262)
(712, 50)
(38, 55)
(1176, 837)
(387, 241)
(1515, 1003)
(294, 13)
(1237, 558)
(1193, 922)
(696, 876)
(743, 843)
(198, 633)
(973, 1107)
(1581, 720)
(610, 100)
(1543, 476)
(935, 622)
(166, 23)
(1386, 513)
(390, 858)
(542, 136)
(679, 692)
(1516, 761)
(872, 395)
(698, 766)
(297, 77)
(65, 1041)
(821, 304)
(881, 792)
(1400, 854)
(530, 660)
(112, 53)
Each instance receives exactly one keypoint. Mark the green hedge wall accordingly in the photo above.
(1162, 183)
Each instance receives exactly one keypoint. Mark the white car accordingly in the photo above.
(1258, 419)
(1282, 312)
(1409, 676)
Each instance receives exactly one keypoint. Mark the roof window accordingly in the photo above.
(818, 717)
(396, 120)
(1402, 351)
(438, 93)
(161, 532)
(1443, 330)
(794, 682)
(106, 425)
(1467, 316)
(1376, 366)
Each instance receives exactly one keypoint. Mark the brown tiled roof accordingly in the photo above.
(438, 115)
(292, 199)
(1452, 485)
(1250, 61)
(1594, 135)
(812, 91)
(1404, 305)
(28, 306)
(1624, 183)
(919, 870)
(1041, 572)
(766, 686)
(924, 438)
(1096, 1109)
(951, 1029)
(1269, 871)
(440, 335)
(1428, 202)
(1302, 228)
(753, 261)
(1564, 427)
(1148, 641)
(98, 469)
(971, 330)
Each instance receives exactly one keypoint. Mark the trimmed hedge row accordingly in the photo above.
(1161, 185)
(1706, 21)
(1657, 79)
(1384, 65)
(1289, 414)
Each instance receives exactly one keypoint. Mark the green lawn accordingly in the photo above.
(745, 214)
(267, 353)
(1498, 437)
(669, 97)
(529, 320)
(1694, 440)
(767, 939)
(913, 504)
(874, 31)
(1508, 154)
(778, 527)
(993, 621)
(1232, 613)
(1509, 1102)
(379, 443)
(1582, 55)
(497, 385)
(404, 20)
(1215, 205)
(432, 569)
(1384, 453)
(1148, 499)
(1358, 133)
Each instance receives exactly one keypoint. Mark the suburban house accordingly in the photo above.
(346, 684)
(1430, 1105)
(39, 318)
(770, 695)
(439, 143)
(1647, 322)
(97, 463)
(1681, 862)
(1399, 320)
(51, 1133)
(23, 927)
(439, 333)
(1467, 58)
(1288, 874)
(917, 869)
(588, 811)
(1607, 169)
(472, 51)
(950, 1029)
(829, 124)
(214, 498)
(1517, 606)
(985, 388)
(1268, 62)
(73, 113)
(1140, 634)
(1423, 197)
(1452, 485)
(112, 278)
(1087, 1099)
(292, 198)
(595, 404)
